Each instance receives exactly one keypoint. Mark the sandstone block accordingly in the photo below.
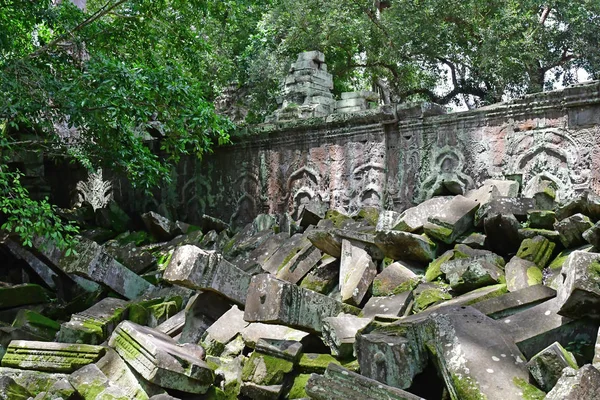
(50, 356)
(272, 300)
(546, 367)
(340, 384)
(579, 295)
(583, 383)
(391, 278)
(571, 229)
(357, 271)
(452, 220)
(195, 268)
(160, 360)
(537, 249)
(513, 302)
(521, 274)
(339, 333)
(406, 246)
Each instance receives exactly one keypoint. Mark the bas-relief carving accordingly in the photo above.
(95, 190)
(246, 195)
(554, 154)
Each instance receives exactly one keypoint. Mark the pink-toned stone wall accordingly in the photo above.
(393, 158)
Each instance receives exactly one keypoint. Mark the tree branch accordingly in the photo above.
(105, 9)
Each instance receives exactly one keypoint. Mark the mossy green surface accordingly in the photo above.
(466, 388)
(315, 363)
(267, 370)
(434, 269)
(336, 217)
(298, 390)
(369, 214)
(529, 391)
(534, 276)
(537, 250)
(429, 297)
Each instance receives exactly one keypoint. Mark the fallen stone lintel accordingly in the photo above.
(50, 356)
(339, 383)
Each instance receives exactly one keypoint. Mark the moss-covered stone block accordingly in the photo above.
(266, 370)
(538, 250)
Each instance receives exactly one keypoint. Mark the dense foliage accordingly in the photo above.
(93, 84)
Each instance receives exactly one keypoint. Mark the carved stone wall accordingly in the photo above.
(393, 157)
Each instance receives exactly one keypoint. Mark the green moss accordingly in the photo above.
(263, 369)
(434, 269)
(534, 276)
(466, 388)
(315, 363)
(439, 232)
(336, 217)
(429, 297)
(163, 259)
(409, 285)
(369, 214)
(529, 391)
(298, 388)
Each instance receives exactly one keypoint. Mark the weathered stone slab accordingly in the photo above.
(361, 232)
(470, 298)
(586, 202)
(579, 295)
(300, 264)
(92, 384)
(392, 306)
(224, 330)
(266, 370)
(201, 313)
(538, 327)
(174, 325)
(290, 350)
(54, 385)
(517, 206)
(592, 235)
(357, 271)
(324, 277)
(253, 261)
(542, 191)
(546, 366)
(272, 300)
(541, 219)
(339, 383)
(94, 325)
(121, 375)
(452, 220)
(49, 276)
(195, 268)
(580, 384)
(571, 229)
(326, 241)
(537, 249)
(391, 278)
(160, 360)
(339, 333)
(94, 263)
(494, 188)
(406, 246)
(11, 390)
(285, 252)
(160, 227)
(50, 356)
(256, 331)
(511, 303)
(260, 392)
(466, 274)
(521, 274)
(20, 295)
(413, 219)
(37, 324)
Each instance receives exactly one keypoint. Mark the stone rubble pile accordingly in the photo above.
(494, 294)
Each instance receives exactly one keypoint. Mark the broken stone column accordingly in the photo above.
(356, 101)
(275, 301)
(50, 356)
(160, 360)
(198, 269)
